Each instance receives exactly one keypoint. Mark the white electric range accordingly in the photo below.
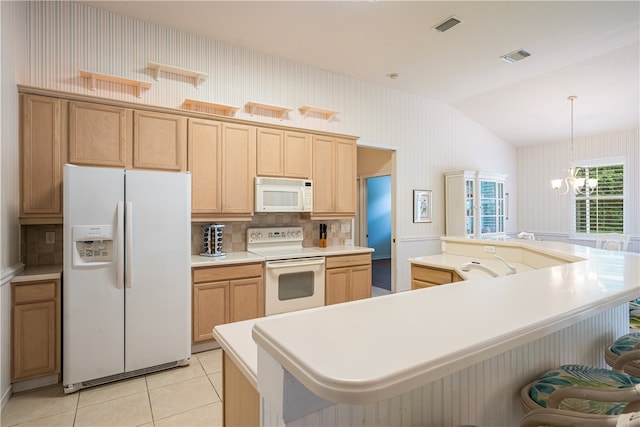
(294, 275)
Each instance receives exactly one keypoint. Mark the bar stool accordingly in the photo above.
(562, 418)
(585, 389)
(624, 345)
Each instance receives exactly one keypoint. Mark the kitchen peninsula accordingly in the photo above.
(445, 355)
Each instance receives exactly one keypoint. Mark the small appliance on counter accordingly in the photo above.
(212, 240)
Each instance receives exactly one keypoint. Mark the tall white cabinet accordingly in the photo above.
(475, 204)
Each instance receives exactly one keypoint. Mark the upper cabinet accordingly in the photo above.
(283, 153)
(98, 134)
(42, 157)
(334, 176)
(238, 170)
(475, 204)
(222, 166)
(159, 141)
(104, 135)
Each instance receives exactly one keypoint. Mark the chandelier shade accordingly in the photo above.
(572, 181)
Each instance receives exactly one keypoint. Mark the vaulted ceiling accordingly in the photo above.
(586, 48)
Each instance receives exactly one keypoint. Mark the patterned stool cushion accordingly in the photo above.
(581, 375)
(625, 343)
(634, 314)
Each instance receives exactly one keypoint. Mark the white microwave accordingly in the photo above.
(283, 195)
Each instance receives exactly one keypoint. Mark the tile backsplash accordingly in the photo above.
(36, 251)
(235, 233)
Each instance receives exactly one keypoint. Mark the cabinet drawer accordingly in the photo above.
(212, 274)
(431, 275)
(347, 260)
(419, 284)
(33, 292)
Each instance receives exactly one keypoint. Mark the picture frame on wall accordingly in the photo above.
(422, 206)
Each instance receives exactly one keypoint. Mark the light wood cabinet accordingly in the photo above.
(241, 403)
(42, 158)
(36, 329)
(112, 136)
(347, 278)
(238, 168)
(98, 134)
(222, 165)
(334, 176)
(225, 294)
(205, 164)
(424, 277)
(159, 141)
(283, 153)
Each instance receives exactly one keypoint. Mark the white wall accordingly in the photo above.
(12, 55)
(430, 137)
(549, 216)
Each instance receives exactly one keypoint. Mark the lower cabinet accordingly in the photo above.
(36, 329)
(241, 402)
(225, 294)
(347, 278)
(424, 277)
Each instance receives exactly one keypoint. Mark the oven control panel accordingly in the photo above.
(274, 234)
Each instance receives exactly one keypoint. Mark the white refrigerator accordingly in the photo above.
(126, 294)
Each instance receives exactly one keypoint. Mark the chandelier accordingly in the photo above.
(572, 181)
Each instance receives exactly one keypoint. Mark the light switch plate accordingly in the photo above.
(50, 237)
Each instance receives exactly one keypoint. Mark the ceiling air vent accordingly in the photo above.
(515, 56)
(448, 24)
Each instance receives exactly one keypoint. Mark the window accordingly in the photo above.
(601, 210)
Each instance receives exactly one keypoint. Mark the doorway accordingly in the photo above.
(374, 222)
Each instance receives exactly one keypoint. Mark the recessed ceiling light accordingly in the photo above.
(515, 56)
(447, 24)
(393, 76)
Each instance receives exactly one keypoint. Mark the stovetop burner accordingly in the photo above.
(278, 243)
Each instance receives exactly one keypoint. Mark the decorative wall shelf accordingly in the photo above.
(139, 85)
(227, 110)
(197, 76)
(252, 107)
(327, 114)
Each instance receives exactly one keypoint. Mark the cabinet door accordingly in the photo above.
(159, 141)
(246, 299)
(297, 155)
(210, 308)
(34, 339)
(41, 156)
(336, 286)
(323, 174)
(360, 282)
(345, 184)
(238, 170)
(269, 152)
(98, 134)
(204, 151)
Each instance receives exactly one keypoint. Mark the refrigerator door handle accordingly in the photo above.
(120, 246)
(128, 238)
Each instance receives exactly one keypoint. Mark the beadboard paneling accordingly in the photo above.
(485, 394)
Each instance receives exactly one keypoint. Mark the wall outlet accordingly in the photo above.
(345, 227)
(334, 228)
(490, 249)
(50, 237)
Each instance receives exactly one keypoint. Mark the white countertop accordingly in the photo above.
(39, 272)
(368, 350)
(246, 257)
(228, 259)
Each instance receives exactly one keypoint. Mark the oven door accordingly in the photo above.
(293, 284)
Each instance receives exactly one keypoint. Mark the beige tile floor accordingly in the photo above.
(187, 396)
